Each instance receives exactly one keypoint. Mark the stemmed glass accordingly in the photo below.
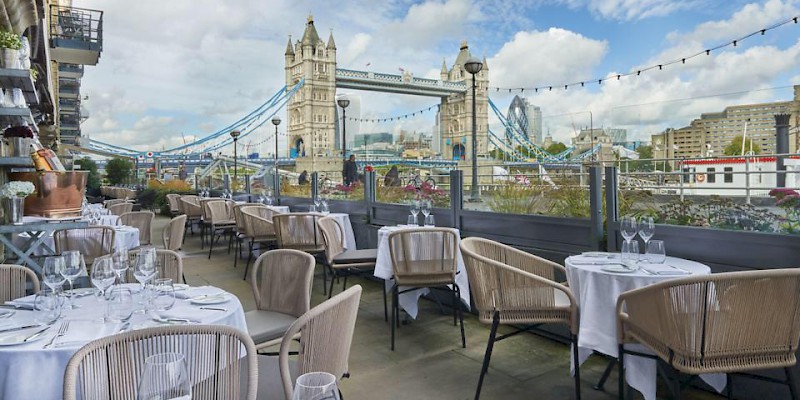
(647, 228)
(165, 376)
(120, 263)
(323, 206)
(103, 275)
(74, 266)
(145, 266)
(415, 210)
(51, 272)
(317, 202)
(628, 228)
(425, 208)
(316, 385)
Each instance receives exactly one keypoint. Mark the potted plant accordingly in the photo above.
(9, 47)
(19, 140)
(14, 194)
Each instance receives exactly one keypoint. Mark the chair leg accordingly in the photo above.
(202, 236)
(577, 367)
(238, 252)
(230, 241)
(488, 355)
(211, 243)
(325, 279)
(344, 285)
(457, 306)
(792, 382)
(621, 378)
(394, 312)
(330, 289)
(249, 256)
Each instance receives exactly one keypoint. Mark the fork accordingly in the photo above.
(62, 330)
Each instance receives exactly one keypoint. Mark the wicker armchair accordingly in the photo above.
(281, 282)
(168, 263)
(720, 323)
(141, 220)
(109, 203)
(217, 357)
(174, 203)
(239, 232)
(343, 262)
(91, 242)
(121, 208)
(425, 258)
(190, 206)
(299, 231)
(218, 222)
(174, 232)
(258, 229)
(326, 333)
(14, 281)
(512, 287)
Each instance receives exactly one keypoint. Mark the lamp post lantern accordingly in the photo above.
(473, 66)
(276, 121)
(344, 102)
(235, 136)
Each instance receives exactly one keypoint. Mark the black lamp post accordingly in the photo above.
(235, 136)
(473, 66)
(276, 121)
(344, 102)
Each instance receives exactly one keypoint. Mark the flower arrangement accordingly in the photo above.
(18, 131)
(17, 189)
(9, 40)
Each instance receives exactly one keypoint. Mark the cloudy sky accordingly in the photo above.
(181, 69)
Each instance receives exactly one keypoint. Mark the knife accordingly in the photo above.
(19, 328)
(36, 334)
(22, 306)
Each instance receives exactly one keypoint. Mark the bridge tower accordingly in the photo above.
(312, 111)
(456, 109)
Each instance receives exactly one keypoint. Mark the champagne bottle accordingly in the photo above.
(38, 161)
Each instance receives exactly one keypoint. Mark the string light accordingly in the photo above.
(661, 66)
(398, 117)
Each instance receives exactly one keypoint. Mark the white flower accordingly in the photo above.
(17, 189)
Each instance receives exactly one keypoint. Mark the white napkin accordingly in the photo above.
(23, 302)
(585, 260)
(663, 269)
(184, 311)
(198, 291)
(83, 331)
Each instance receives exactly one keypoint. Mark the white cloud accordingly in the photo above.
(638, 9)
(750, 18)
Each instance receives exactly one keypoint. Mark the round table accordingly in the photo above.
(597, 290)
(28, 371)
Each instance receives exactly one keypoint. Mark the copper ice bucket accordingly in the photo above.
(58, 194)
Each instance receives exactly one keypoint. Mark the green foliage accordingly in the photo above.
(645, 162)
(556, 147)
(118, 170)
(93, 180)
(512, 198)
(9, 40)
(718, 212)
(735, 146)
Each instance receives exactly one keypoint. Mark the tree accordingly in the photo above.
(93, 180)
(645, 161)
(556, 147)
(735, 147)
(118, 170)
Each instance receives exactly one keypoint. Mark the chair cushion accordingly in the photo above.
(265, 325)
(357, 256)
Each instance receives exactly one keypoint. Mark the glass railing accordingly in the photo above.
(404, 184)
(330, 186)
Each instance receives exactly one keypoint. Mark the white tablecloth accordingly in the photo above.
(344, 221)
(408, 301)
(597, 291)
(127, 236)
(280, 209)
(29, 372)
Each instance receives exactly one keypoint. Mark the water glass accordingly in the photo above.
(163, 297)
(51, 272)
(429, 221)
(119, 304)
(411, 220)
(165, 376)
(47, 306)
(655, 252)
(103, 275)
(316, 386)
(630, 253)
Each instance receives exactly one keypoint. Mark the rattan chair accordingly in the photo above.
(512, 287)
(281, 282)
(259, 231)
(91, 242)
(424, 258)
(721, 323)
(14, 282)
(109, 203)
(173, 233)
(141, 220)
(240, 231)
(326, 333)
(218, 222)
(299, 231)
(168, 263)
(190, 207)
(217, 357)
(174, 203)
(121, 208)
(343, 262)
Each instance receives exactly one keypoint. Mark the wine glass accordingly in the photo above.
(316, 385)
(317, 203)
(120, 263)
(425, 208)
(165, 376)
(647, 228)
(103, 275)
(74, 266)
(415, 209)
(51, 272)
(47, 306)
(628, 228)
(324, 206)
(145, 266)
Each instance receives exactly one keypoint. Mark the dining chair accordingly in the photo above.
(218, 222)
(141, 220)
(731, 323)
(514, 288)
(281, 282)
(259, 230)
(109, 203)
(239, 231)
(169, 264)
(221, 362)
(299, 231)
(91, 242)
(173, 233)
(424, 258)
(326, 334)
(120, 208)
(173, 203)
(344, 262)
(14, 282)
(191, 208)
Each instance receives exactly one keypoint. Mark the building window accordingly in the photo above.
(728, 175)
(711, 178)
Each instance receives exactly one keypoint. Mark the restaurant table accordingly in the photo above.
(28, 371)
(597, 290)
(408, 300)
(124, 236)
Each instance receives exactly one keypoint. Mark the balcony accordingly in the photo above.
(69, 106)
(76, 35)
(74, 71)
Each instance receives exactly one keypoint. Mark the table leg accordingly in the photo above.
(603, 378)
(24, 259)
